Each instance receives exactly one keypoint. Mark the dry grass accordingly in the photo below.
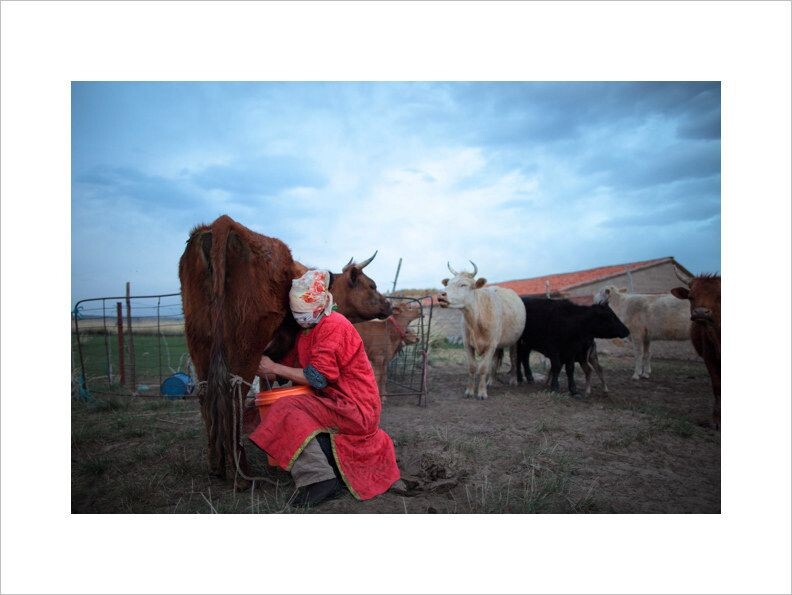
(140, 326)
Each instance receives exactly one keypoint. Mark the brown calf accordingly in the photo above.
(384, 338)
(704, 294)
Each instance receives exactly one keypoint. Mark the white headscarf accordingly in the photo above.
(309, 298)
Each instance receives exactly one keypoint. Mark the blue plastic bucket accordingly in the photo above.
(176, 386)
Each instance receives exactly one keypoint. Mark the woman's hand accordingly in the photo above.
(266, 366)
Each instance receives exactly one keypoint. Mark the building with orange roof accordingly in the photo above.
(646, 276)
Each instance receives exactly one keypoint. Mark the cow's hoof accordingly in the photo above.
(645, 375)
(481, 397)
(513, 382)
(636, 377)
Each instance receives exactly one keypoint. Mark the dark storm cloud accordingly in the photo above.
(649, 164)
(694, 200)
(549, 112)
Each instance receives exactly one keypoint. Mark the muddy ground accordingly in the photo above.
(644, 448)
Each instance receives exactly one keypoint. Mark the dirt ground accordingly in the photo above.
(644, 448)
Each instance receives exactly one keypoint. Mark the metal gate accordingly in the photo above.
(128, 344)
(407, 371)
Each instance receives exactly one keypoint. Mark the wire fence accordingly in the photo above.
(128, 344)
(407, 371)
(131, 345)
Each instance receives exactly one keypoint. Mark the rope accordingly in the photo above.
(236, 386)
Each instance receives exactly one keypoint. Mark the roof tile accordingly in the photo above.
(563, 281)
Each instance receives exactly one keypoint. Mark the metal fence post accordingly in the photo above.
(132, 379)
(120, 322)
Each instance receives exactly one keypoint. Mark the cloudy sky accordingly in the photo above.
(525, 179)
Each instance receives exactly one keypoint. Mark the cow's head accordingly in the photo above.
(605, 324)
(603, 296)
(460, 288)
(704, 294)
(356, 294)
(406, 312)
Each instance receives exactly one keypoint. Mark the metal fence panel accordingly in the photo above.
(129, 346)
(130, 353)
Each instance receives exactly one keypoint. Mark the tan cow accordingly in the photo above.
(649, 317)
(494, 318)
(384, 338)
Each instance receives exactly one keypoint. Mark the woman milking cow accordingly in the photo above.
(329, 439)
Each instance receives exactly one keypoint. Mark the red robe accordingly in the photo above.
(348, 408)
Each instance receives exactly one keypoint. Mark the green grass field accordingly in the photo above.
(156, 358)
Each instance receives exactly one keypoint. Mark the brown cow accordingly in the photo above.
(235, 293)
(704, 294)
(384, 338)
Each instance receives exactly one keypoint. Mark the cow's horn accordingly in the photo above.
(686, 280)
(475, 268)
(350, 262)
(453, 272)
(365, 263)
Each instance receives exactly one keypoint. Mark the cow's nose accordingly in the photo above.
(701, 314)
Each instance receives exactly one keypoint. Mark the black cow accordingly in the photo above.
(563, 331)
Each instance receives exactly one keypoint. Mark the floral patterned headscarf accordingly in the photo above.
(309, 299)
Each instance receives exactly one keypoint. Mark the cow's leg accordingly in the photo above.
(381, 378)
(569, 365)
(497, 360)
(647, 357)
(716, 403)
(586, 367)
(514, 361)
(379, 365)
(526, 362)
(520, 351)
(484, 367)
(593, 359)
(638, 346)
(713, 367)
(555, 370)
(470, 390)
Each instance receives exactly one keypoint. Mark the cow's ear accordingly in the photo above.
(444, 281)
(354, 273)
(480, 282)
(681, 292)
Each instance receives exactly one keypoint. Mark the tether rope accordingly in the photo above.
(236, 385)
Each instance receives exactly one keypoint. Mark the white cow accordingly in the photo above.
(649, 318)
(494, 318)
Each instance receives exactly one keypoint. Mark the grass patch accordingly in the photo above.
(542, 487)
(545, 426)
(628, 437)
(108, 403)
(95, 466)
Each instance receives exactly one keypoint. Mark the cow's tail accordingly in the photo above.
(219, 401)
